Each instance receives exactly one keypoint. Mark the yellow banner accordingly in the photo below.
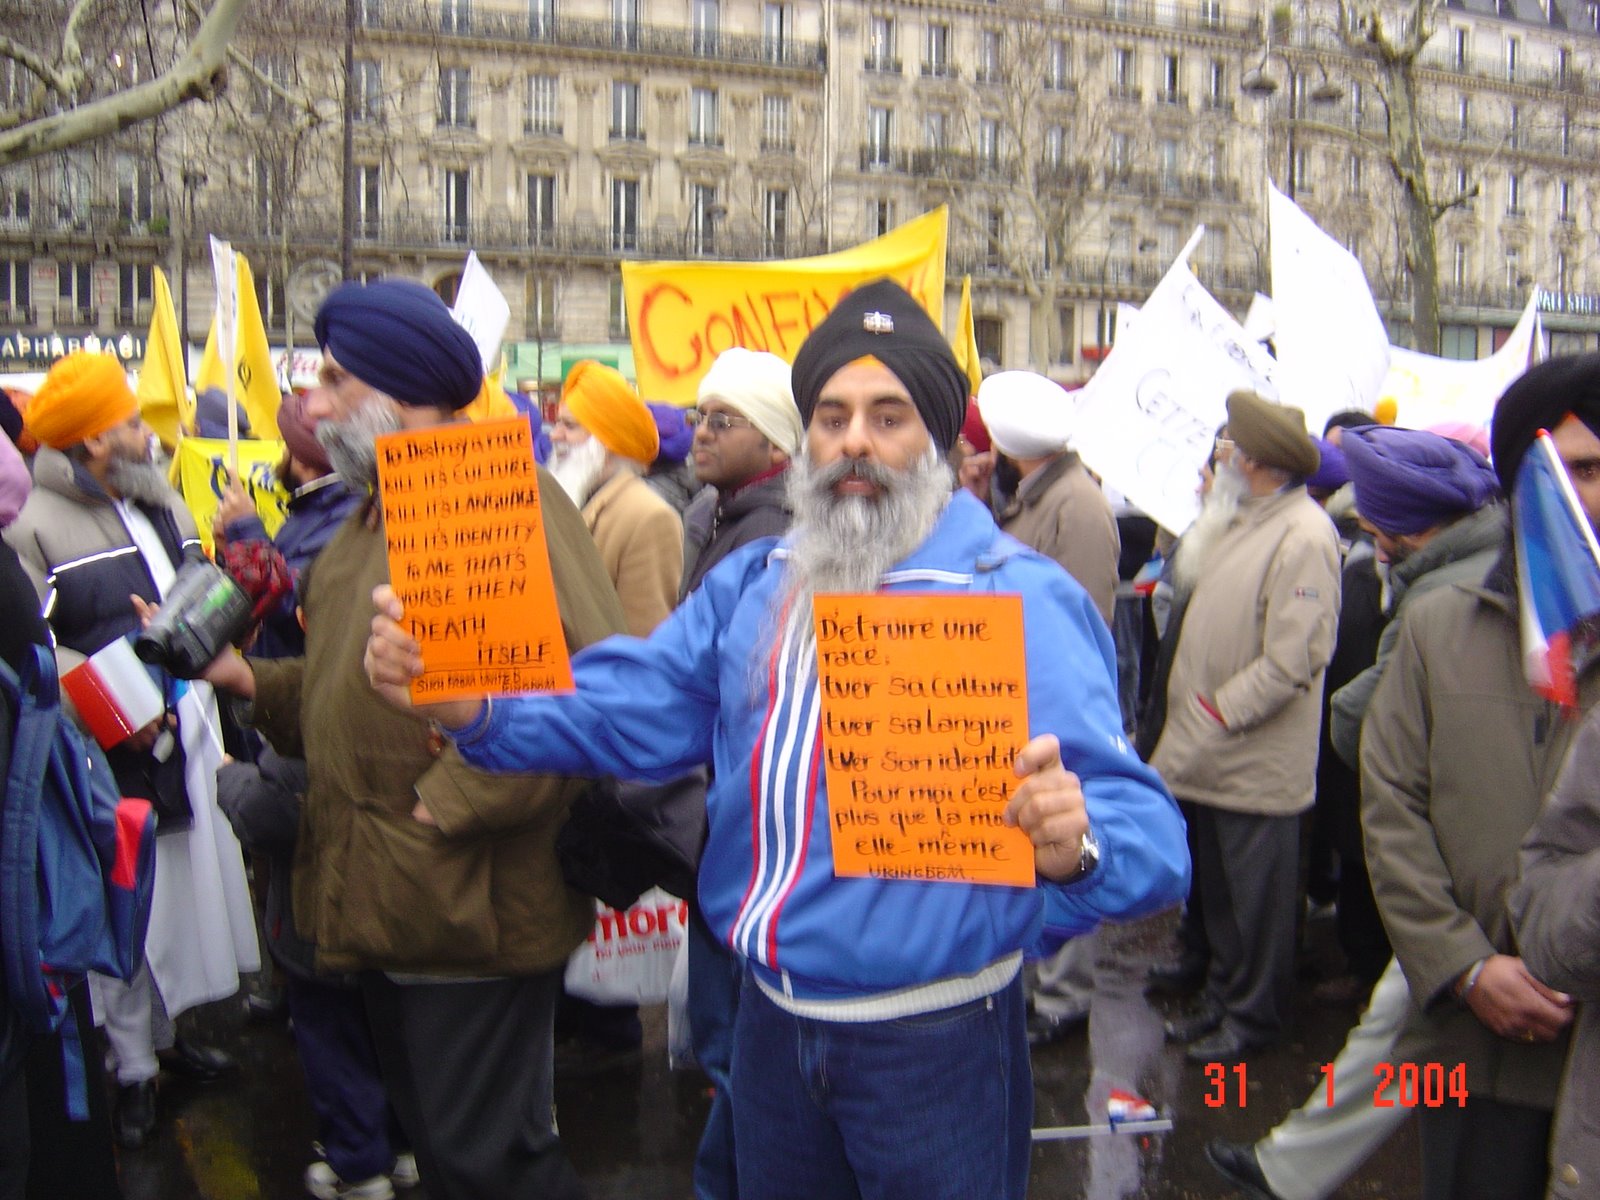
(255, 384)
(681, 315)
(965, 342)
(203, 473)
(164, 400)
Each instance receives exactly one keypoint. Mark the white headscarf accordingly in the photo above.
(1026, 414)
(756, 385)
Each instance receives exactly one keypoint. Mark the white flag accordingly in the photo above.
(1428, 391)
(482, 310)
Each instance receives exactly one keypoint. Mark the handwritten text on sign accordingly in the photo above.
(924, 707)
(467, 558)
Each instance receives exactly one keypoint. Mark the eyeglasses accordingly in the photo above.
(717, 422)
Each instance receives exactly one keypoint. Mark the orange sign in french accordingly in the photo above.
(924, 707)
(468, 559)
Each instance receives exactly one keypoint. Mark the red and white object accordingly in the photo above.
(113, 693)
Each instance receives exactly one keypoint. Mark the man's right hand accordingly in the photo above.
(1513, 1004)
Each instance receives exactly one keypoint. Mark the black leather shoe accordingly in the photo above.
(1223, 1046)
(267, 1006)
(1183, 977)
(1047, 1030)
(1194, 1025)
(1237, 1163)
(195, 1061)
(134, 1117)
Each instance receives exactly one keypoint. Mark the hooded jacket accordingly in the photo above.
(714, 525)
(715, 684)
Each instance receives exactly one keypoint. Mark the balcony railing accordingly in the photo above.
(599, 34)
(943, 69)
(883, 64)
(533, 126)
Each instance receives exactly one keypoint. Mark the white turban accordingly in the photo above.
(1027, 415)
(756, 385)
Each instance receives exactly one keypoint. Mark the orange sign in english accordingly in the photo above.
(924, 707)
(468, 559)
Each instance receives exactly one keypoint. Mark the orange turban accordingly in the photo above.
(607, 406)
(85, 393)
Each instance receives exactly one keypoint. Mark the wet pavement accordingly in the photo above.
(630, 1126)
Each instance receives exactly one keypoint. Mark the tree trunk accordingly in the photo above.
(1411, 169)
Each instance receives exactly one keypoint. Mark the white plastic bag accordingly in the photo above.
(680, 1038)
(628, 957)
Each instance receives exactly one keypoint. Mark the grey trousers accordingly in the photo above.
(1063, 984)
(1318, 1146)
(469, 1071)
(1247, 870)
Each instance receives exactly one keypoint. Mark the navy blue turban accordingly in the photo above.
(398, 337)
(1541, 399)
(1409, 480)
(883, 320)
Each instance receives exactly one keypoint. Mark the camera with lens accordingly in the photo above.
(204, 611)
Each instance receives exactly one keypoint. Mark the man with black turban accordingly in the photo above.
(874, 1009)
(459, 932)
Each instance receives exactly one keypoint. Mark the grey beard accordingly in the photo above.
(1221, 505)
(142, 482)
(848, 543)
(352, 444)
(577, 468)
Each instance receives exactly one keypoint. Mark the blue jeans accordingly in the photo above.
(715, 974)
(932, 1107)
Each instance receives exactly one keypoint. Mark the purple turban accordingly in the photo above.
(1333, 472)
(398, 337)
(1408, 480)
(673, 428)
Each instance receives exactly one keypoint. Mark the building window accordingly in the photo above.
(1121, 153)
(541, 210)
(1513, 194)
(367, 89)
(989, 333)
(936, 128)
(541, 306)
(1058, 67)
(989, 142)
(267, 181)
(75, 293)
(617, 308)
(1172, 79)
(990, 55)
(703, 213)
(1055, 147)
(703, 117)
(1514, 130)
(1563, 200)
(775, 123)
(880, 128)
(1210, 13)
(1464, 116)
(457, 211)
(16, 200)
(1561, 272)
(544, 105)
(455, 16)
(541, 18)
(625, 112)
(1464, 188)
(135, 292)
(938, 60)
(777, 22)
(880, 44)
(1566, 133)
(1300, 172)
(1513, 56)
(1123, 72)
(1168, 157)
(455, 97)
(369, 211)
(994, 238)
(1458, 265)
(369, 13)
(135, 192)
(1357, 105)
(1066, 332)
(1514, 278)
(775, 223)
(880, 217)
(1355, 175)
(1563, 65)
(705, 19)
(16, 289)
(1459, 55)
(1459, 342)
(1216, 83)
(624, 215)
(269, 97)
(625, 24)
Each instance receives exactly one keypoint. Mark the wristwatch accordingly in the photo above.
(1088, 857)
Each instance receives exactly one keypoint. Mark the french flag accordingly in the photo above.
(1558, 572)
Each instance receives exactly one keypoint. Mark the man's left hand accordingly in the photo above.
(1049, 808)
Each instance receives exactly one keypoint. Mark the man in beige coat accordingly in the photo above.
(1243, 717)
(604, 436)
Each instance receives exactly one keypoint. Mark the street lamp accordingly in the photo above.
(1258, 83)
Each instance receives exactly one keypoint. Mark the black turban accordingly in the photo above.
(398, 336)
(883, 320)
(1541, 399)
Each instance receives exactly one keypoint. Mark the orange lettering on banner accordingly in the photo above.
(468, 559)
(924, 707)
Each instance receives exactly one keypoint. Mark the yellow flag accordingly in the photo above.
(492, 403)
(202, 465)
(255, 384)
(681, 315)
(163, 393)
(965, 343)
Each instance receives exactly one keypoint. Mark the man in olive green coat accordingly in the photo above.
(460, 928)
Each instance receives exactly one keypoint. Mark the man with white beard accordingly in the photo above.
(101, 525)
(874, 1010)
(604, 436)
(1243, 718)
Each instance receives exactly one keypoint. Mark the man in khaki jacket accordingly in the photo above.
(604, 436)
(1243, 717)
